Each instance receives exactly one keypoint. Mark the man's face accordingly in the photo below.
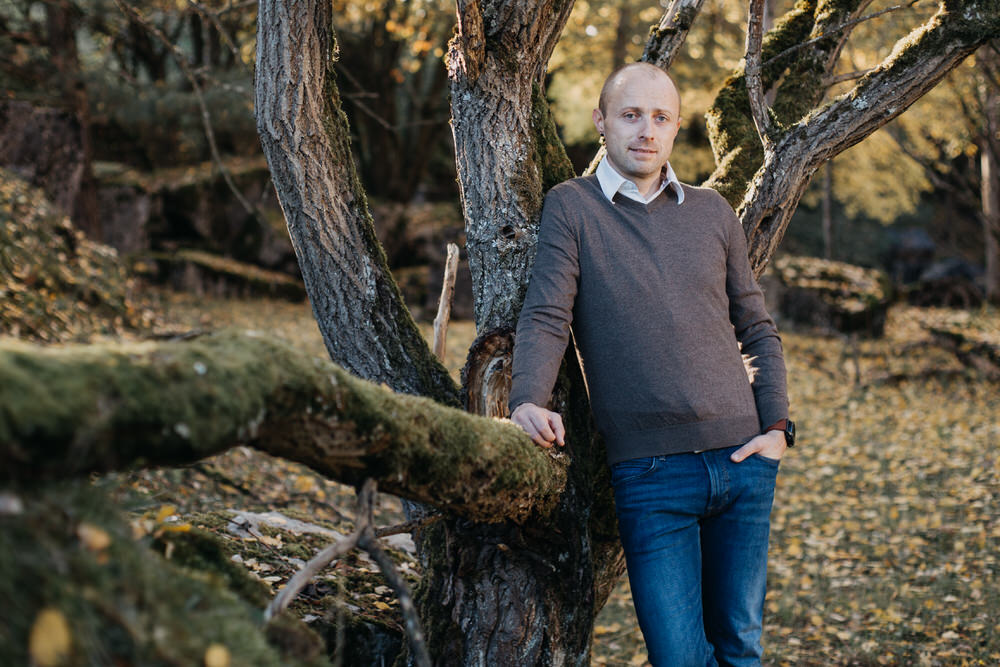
(640, 122)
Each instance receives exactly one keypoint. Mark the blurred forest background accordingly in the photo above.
(135, 202)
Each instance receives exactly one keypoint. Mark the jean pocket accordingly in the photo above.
(626, 471)
(766, 459)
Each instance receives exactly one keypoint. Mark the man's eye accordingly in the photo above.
(662, 119)
(630, 116)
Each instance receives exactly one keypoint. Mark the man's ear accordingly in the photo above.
(598, 118)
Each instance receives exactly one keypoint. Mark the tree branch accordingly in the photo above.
(666, 39)
(69, 411)
(916, 65)
(826, 34)
(846, 76)
(206, 117)
(758, 106)
(444, 302)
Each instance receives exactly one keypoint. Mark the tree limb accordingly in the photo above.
(69, 411)
(758, 106)
(916, 65)
(444, 302)
(826, 34)
(666, 39)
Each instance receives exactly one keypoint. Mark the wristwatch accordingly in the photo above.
(786, 426)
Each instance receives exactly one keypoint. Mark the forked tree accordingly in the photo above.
(528, 550)
(524, 587)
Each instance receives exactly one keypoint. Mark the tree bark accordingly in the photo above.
(989, 171)
(304, 134)
(766, 189)
(80, 409)
(62, 20)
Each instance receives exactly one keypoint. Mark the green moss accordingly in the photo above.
(123, 602)
(732, 132)
(550, 154)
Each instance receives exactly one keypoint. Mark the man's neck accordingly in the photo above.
(645, 186)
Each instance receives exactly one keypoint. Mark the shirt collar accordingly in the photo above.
(612, 183)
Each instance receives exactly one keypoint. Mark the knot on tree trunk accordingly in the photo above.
(487, 372)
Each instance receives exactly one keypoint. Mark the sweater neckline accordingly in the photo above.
(661, 200)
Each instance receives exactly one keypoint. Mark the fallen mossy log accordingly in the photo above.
(67, 411)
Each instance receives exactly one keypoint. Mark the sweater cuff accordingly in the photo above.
(770, 412)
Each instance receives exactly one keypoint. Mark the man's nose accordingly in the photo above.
(646, 128)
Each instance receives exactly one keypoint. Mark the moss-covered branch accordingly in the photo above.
(735, 142)
(917, 63)
(68, 411)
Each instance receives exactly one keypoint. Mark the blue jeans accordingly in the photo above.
(695, 529)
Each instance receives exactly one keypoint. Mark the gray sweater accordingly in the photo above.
(661, 298)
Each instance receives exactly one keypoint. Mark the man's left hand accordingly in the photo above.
(770, 445)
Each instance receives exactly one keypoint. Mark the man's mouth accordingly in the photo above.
(644, 151)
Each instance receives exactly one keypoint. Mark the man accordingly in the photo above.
(654, 277)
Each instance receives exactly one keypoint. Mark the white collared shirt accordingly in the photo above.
(612, 183)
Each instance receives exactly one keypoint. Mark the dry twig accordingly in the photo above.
(364, 537)
(206, 118)
(444, 303)
(755, 89)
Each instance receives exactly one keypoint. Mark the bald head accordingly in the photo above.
(639, 117)
(630, 72)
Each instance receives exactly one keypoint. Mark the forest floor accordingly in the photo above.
(885, 529)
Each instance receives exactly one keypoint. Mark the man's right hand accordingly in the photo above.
(544, 426)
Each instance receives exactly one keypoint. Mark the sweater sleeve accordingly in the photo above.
(543, 327)
(755, 329)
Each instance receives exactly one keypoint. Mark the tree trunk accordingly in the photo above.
(62, 20)
(304, 134)
(989, 161)
(990, 175)
(509, 594)
(828, 210)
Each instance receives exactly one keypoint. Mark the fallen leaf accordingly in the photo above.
(93, 537)
(50, 641)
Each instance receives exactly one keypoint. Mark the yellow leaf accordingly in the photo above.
(176, 528)
(217, 655)
(304, 483)
(638, 659)
(49, 643)
(165, 512)
(93, 537)
(381, 605)
(270, 541)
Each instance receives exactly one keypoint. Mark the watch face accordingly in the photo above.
(790, 432)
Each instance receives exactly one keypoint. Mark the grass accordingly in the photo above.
(885, 529)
